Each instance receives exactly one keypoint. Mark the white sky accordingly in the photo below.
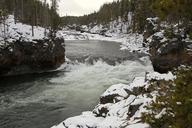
(80, 7)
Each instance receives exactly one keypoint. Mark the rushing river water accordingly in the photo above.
(43, 100)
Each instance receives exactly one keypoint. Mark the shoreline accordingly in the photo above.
(121, 105)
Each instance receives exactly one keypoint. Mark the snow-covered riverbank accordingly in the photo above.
(19, 31)
(131, 42)
(120, 106)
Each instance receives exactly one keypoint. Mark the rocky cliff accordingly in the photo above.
(169, 46)
(21, 56)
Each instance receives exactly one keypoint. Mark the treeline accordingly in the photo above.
(171, 11)
(32, 12)
(139, 10)
(107, 12)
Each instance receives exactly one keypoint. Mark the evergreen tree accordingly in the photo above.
(175, 100)
(54, 18)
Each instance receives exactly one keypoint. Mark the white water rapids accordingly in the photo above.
(43, 100)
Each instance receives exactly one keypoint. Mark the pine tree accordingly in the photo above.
(54, 18)
(175, 99)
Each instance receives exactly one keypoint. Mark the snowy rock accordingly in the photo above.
(158, 76)
(114, 94)
(20, 57)
(21, 53)
(126, 112)
(169, 48)
(139, 125)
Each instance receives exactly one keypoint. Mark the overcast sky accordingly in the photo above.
(80, 7)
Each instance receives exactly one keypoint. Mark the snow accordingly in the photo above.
(131, 42)
(117, 31)
(20, 31)
(188, 40)
(116, 89)
(138, 82)
(139, 125)
(152, 20)
(117, 114)
(190, 46)
(158, 76)
(158, 116)
(164, 40)
(86, 118)
(159, 34)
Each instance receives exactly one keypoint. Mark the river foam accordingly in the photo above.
(73, 88)
(84, 81)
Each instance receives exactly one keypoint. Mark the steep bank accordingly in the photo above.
(20, 57)
(120, 106)
(169, 47)
(22, 52)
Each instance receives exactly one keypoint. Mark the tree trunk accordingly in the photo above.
(22, 10)
(45, 17)
(32, 30)
(15, 10)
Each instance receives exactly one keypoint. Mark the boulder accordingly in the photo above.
(170, 54)
(115, 94)
(168, 47)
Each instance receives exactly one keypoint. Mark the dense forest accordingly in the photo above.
(32, 12)
(172, 11)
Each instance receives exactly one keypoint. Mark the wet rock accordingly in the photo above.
(151, 27)
(108, 99)
(101, 110)
(20, 57)
(133, 109)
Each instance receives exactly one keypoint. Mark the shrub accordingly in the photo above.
(190, 35)
(176, 102)
(169, 33)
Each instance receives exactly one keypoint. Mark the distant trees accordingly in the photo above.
(3, 16)
(54, 18)
(174, 11)
(141, 11)
(107, 12)
(113, 11)
(32, 12)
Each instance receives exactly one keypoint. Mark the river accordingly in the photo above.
(43, 100)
